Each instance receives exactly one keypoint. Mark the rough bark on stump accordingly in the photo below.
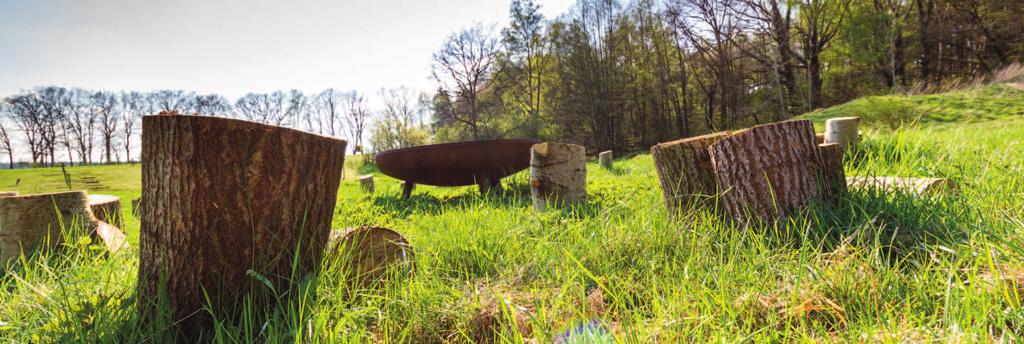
(366, 183)
(225, 196)
(107, 208)
(833, 177)
(368, 252)
(28, 222)
(136, 203)
(917, 186)
(558, 173)
(768, 171)
(605, 160)
(685, 172)
(844, 131)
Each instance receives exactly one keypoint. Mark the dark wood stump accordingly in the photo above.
(685, 172)
(223, 197)
(107, 208)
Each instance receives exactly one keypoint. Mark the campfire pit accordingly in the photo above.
(483, 163)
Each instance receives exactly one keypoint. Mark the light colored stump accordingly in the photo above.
(833, 176)
(685, 172)
(844, 131)
(558, 173)
(917, 186)
(224, 197)
(8, 193)
(107, 208)
(366, 183)
(605, 160)
(112, 237)
(34, 221)
(768, 171)
(368, 253)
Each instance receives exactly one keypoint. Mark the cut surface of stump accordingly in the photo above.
(844, 131)
(605, 160)
(768, 171)
(368, 253)
(917, 186)
(366, 183)
(558, 173)
(107, 208)
(33, 221)
(224, 197)
(685, 172)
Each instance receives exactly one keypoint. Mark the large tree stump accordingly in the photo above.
(366, 183)
(833, 177)
(223, 197)
(107, 208)
(685, 172)
(844, 131)
(558, 173)
(768, 171)
(916, 186)
(29, 222)
(605, 160)
(368, 253)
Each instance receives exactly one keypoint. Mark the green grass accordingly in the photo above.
(877, 267)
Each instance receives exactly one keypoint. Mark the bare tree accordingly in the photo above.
(210, 105)
(819, 23)
(276, 108)
(5, 139)
(525, 47)
(464, 68)
(109, 115)
(773, 19)
(82, 113)
(134, 105)
(326, 113)
(171, 101)
(356, 117)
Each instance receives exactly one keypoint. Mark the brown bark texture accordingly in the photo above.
(685, 172)
(33, 221)
(833, 177)
(223, 197)
(558, 173)
(768, 171)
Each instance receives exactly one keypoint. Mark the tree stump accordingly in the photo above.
(844, 131)
(136, 203)
(107, 208)
(768, 171)
(833, 177)
(558, 173)
(368, 253)
(685, 172)
(223, 197)
(33, 221)
(8, 193)
(366, 183)
(605, 160)
(917, 186)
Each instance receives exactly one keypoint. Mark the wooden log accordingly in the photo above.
(917, 186)
(685, 172)
(224, 197)
(605, 160)
(8, 193)
(833, 177)
(558, 173)
(368, 253)
(844, 131)
(39, 221)
(768, 171)
(366, 183)
(107, 208)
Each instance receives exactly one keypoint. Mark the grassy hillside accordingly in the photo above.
(877, 267)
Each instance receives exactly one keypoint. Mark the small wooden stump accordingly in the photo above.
(558, 173)
(820, 137)
(833, 176)
(685, 171)
(368, 253)
(136, 203)
(33, 221)
(224, 197)
(844, 131)
(917, 186)
(605, 160)
(8, 193)
(107, 208)
(768, 171)
(366, 183)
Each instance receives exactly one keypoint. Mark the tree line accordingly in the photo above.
(626, 75)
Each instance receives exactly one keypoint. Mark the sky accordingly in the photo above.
(233, 47)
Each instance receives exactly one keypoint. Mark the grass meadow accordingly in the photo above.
(876, 267)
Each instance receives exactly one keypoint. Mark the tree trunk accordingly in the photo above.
(605, 160)
(685, 171)
(28, 222)
(768, 171)
(107, 208)
(558, 173)
(844, 131)
(223, 197)
(833, 177)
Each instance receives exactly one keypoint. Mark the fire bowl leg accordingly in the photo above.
(407, 187)
(488, 185)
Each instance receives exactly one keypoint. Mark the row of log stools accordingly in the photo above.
(31, 221)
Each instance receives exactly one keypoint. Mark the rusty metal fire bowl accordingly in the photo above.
(481, 163)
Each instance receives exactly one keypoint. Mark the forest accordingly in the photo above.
(607, 74)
